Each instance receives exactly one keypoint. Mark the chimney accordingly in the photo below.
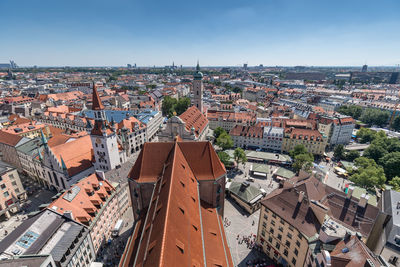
(100, 174)
(301, 197)
(363, 200)
(350, 191)
(69, 214)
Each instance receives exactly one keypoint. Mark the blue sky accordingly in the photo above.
(218, 32)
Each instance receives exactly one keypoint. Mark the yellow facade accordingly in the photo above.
(280, 240)
(313, 146)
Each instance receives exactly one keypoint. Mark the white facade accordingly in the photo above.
(106, 152)
(273, 138)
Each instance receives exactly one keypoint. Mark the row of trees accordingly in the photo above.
(380, 161)
(224, 141)
(370, 116)
(340, 153)
(174, 107)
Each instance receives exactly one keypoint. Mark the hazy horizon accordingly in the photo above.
(218, 33)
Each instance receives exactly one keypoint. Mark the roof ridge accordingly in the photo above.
(163, 241)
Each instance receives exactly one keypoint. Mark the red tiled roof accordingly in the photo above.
(9, 139)
(83, 204)
(177, 221)
(97, 105)
(194, 118)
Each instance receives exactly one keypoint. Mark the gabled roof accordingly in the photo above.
(200, 156)
(194, 118)
(96, 105)
(178, 229)
(76, 154)
(9, 139)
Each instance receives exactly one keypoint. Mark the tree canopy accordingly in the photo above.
(224, 157)
(368, 174)
(302, 158)
(339, 152)
(396, 124)
(351, 110)
(218, 131)
(171, 106)
(395, 182)
(239, 156)
(224, 141)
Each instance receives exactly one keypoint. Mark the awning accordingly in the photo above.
(260, 174)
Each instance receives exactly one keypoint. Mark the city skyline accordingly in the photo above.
(284, 33)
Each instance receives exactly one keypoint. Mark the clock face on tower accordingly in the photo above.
(98, 141)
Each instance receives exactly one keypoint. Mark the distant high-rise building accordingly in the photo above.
(129, 66)
(364, 68)
(197, 99)
(13, 65)
(245, 66)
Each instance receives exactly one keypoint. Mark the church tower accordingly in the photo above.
(104, 140)
(197, 99)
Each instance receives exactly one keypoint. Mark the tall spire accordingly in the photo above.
(43, 137)
(96, 102)
(198, 66)
(64, 167)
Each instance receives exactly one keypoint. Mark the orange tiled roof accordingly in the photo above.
(194, 118)
(9, 139)
(84, 205)
(76, 154)
(178, 222)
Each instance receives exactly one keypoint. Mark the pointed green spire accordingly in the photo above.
(43, 137)
(64, 167)
(40, 155)
(198, 66)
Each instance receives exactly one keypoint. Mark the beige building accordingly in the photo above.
(191, 125)
(11, 190)
(313, 140)
(301, 223)
(92, 202)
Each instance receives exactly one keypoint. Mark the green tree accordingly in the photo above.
(375, 152)
(218, 131)
(395, 182)
(365, 135)
(303, 161)
(391, 164)
(352, 155)
(369, 177)
(368, 174)
(396, 123)
(339, 151)
(363, 162)
(168, 106)
(224, 141)
(182, 105)
(351, 110)
(224, 157)
(239, 156)
(373, 116)
(297, 150)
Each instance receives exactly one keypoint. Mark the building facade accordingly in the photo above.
(313, 140)
(12, 193)
(49, 233)
(92, 202)
(191, 125)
